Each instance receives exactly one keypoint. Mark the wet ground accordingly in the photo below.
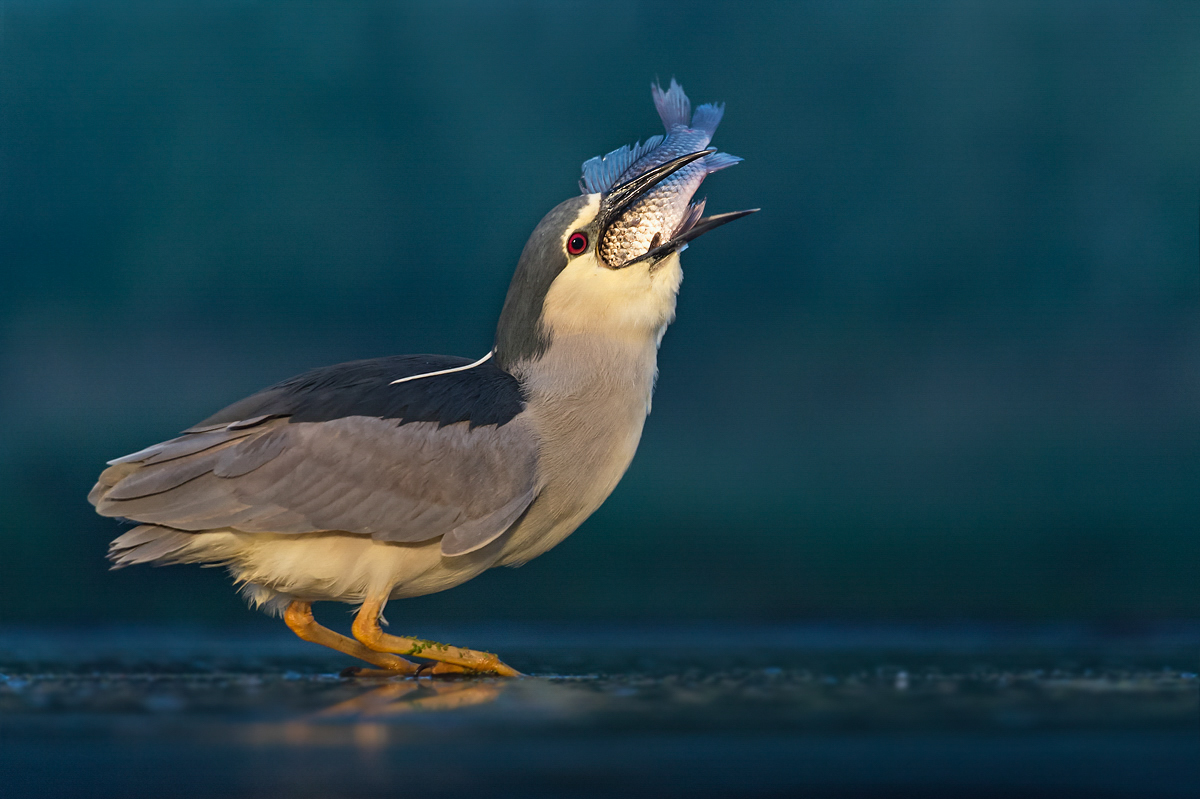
(780, 711)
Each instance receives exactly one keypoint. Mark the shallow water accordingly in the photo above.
(720, 711)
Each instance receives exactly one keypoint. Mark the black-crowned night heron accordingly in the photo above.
(402, 476)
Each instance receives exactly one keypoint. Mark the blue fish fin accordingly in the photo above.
(719, 161)
(602, 172)
(707, 117)
(694, 212)
(673, 105)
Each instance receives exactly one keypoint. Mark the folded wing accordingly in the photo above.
(392, 479)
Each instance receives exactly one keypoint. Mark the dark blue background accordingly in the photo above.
(950, 371)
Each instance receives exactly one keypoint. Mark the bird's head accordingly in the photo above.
(563, 286)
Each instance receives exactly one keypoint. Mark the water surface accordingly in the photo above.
(701, 711)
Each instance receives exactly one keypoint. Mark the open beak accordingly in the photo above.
(617, 201)
(680, 242)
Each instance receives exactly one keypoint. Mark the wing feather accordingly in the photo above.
(478, 533)
(361, 475)
(179, 447)
(250, 455)
(148, 481)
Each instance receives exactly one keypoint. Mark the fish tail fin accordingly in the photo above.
(719, 161)
(674, 107)
(707, 117)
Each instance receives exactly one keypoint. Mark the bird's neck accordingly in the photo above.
(587, 399)
(579, 374)
(587, 402)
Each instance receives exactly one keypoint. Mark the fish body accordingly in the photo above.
(667, 210)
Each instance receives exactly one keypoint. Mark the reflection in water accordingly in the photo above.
(395, 699)
(362, 720)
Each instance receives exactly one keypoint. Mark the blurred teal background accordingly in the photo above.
(951, 371)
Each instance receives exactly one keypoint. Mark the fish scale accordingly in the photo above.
(667, 210)
(657, 215)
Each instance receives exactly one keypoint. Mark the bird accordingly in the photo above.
(394, 477)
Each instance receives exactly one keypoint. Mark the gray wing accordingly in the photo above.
(403, 483)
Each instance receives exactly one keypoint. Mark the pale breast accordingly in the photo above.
(588, 400)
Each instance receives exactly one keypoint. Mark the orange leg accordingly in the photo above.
(366, 630)
(300, 619)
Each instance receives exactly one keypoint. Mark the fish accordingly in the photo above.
(667, 211)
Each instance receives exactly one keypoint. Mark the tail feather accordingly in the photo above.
(674, 107)
(148, 543)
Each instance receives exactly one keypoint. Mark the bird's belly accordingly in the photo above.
(338, 567)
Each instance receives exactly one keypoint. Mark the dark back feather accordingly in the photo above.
(482, 395)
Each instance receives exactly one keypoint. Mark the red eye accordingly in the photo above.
(577, 243)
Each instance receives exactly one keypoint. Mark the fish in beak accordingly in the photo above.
(647, 211)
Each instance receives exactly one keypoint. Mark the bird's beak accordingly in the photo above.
(617, 201)
(679, 243)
